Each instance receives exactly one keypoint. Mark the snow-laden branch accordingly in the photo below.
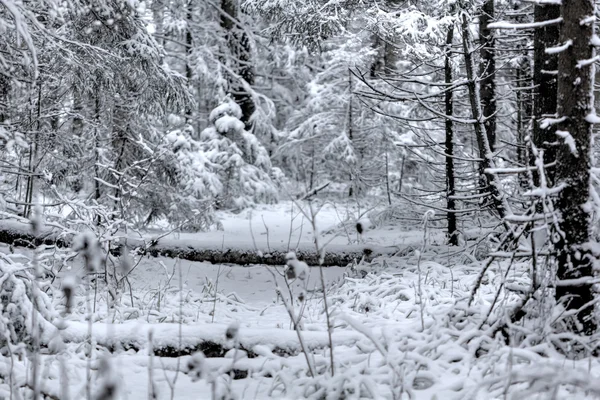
(547, 122)
(560, 48)
(569, 141)
(544, 2)
(530, 25)
(589, 61)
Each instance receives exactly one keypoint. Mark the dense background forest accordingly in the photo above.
(337, 199)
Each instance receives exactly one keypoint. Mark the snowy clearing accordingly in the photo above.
(401, 329)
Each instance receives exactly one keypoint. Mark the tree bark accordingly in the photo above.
(241, 60)
(545, 84)
(575, 105)
(487, 71)
(449, 144)
(524, 114)
(189, 72)
(5, 86)
(490, 180)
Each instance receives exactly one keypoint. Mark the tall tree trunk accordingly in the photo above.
(350, 132)
(575, 105)
(448, 100)
(390, 55)
(97, 150)
(487, 71)
(5, 85)
(33, 156)
(241, 53)
(189, 72)
(378, 60)
(158, 17)
(545, 83)
(489, 178)
(524, 110)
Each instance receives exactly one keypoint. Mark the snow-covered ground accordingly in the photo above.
(401, 327)
(285, 226)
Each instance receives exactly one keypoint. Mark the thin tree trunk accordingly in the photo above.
(189, 73)
(524, 110)
(545, 83)
(241, 53)
(490, 179)
(387, 177)
(33, 149)
(575, 105)
(401, 173)
(97, 193)
(350, 130)
(487, 71)
(378, 63)
(5, 86)
(158, 16)
(450, 183)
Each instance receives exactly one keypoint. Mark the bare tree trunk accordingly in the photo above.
(33, 155)
(5, 86)
(158, 17)
(350, 130)
(524, 110)
(450, 181)
(400, 181)
(544, 81)
(575, 105)
(97, 193)
(378, 63)
(390, 55)
(490, 179)
(241, 53)
(487, 71)
(189, 73)
(387, 177)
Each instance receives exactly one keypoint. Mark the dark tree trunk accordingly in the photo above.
(448, 101)
(5, 85)
(350, 133)
(491, 182)
(97, 150)
(158, 18)
(189, 75)
(524, 111)
(241, 60)
(575, 104)
(544, 81)
(378, 61)
(487, 71)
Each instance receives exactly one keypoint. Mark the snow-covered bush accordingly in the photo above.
(191, 183)
(238, 159)
(24, 311)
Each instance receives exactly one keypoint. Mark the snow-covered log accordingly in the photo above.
(173, 340)
(19, 234)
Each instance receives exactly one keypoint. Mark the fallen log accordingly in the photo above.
(334, 256)
(15, 233)
(173, 340)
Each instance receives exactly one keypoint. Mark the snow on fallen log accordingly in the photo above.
(169, 341)
(241, 252)
(336, 255)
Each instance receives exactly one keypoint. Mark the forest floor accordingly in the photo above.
(401, 325)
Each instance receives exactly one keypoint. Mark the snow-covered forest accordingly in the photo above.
(299, 199)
